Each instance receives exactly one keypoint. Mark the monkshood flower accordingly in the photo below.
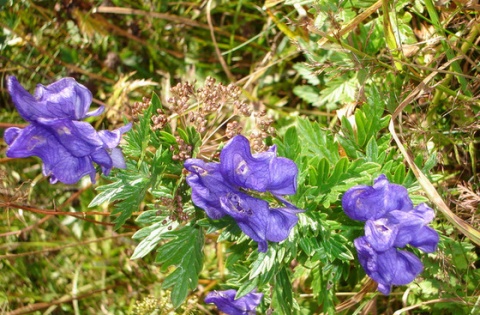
(392, 222)
(225, 302)
(67, 146)
(221, 189)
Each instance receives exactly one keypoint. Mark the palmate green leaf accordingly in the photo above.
(127, 206)
(347, 139)
(323, 290)
(399, 174)
(185, 253)
(339, 90)
(139, 137)
(316, 141)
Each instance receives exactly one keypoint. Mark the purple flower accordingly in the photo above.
(223, 189)
(391, 222)
(225, 302)
(260, 172)
(67, 146)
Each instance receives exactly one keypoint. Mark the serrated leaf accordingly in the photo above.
(149, 217)
(341, 90)
(290, 146)
(155, 233)
(185, 252)
(129, 190)
(323, 170)
(247, 287)
(263, 263)
(316, 141)
(338, 249)
(167, 137)
(307, 93)
(108, 192)
(183, 134)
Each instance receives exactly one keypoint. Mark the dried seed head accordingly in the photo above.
(139, 107)
(233, 129)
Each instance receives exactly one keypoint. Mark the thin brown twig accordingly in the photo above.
(78, 215)
(44, 219)
(8, 125)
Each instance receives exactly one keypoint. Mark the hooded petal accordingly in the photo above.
(63, 99)
(251, 215)
(261, 172)
(225, 302)
(59, 163)
(208, 186)
(373, 202)
(426, 239)
(280, 223)
(241, 169)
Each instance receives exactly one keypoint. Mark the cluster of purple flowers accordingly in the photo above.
(67, 146)
(391, 222)
(221, 189)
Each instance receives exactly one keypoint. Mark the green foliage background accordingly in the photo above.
(331, 75)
